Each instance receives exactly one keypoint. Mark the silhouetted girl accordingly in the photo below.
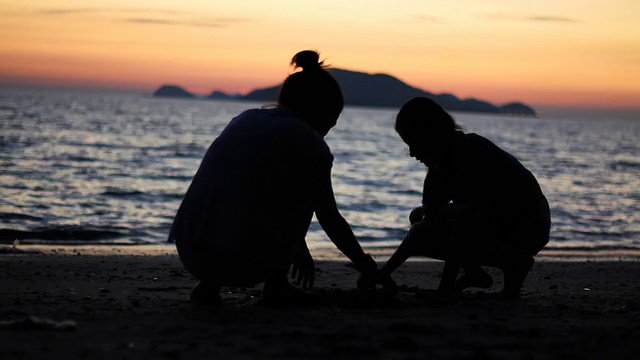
(480, 206)
(244, 218)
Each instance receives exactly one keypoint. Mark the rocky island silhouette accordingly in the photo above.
(369, 90)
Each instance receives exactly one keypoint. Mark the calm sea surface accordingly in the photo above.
(79, 168)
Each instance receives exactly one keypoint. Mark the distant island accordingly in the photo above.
(370, 90)
(173, 91)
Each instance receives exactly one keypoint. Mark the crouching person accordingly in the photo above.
(480, 207)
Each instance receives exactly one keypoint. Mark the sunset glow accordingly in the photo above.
(545, 53)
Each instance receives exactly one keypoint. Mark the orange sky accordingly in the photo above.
(567, 53)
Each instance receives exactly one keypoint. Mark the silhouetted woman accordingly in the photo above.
(480, 207)
(244, 218)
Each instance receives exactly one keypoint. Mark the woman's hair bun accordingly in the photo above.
(307, 60)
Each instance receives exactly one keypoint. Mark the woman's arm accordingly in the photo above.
(337, 228)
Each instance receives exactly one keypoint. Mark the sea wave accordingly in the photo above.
(624, 165)
(17, 216)
(62, 233)
(113, 168)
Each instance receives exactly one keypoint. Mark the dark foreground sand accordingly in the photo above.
(131, 306)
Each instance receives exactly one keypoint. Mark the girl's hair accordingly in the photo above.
(312, 94)
(423, 116)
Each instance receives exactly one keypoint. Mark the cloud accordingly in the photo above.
(147, 16)
(66, 11)
(196, 23)
(419, 19)
(75, 11)
(550, 19)
(530, 18)
(151, 21)
(428, 19)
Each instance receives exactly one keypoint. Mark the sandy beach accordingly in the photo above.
(132, 302)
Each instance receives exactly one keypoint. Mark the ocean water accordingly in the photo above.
(111, 168)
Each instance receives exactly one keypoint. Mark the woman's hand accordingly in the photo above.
(368, 282)
(371, 277)
(303, 268)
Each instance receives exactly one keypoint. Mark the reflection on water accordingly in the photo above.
(114, 167)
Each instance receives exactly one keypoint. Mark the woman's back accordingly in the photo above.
(259, 177)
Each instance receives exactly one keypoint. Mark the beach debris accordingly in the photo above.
(160, 288)
(15, 249)
(38, 323)
(618, 309)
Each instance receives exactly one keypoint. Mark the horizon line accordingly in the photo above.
(149, 91)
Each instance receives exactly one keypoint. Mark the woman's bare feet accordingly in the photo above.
(474, 277)
(514, 275)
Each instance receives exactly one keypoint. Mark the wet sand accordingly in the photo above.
(132, 302)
